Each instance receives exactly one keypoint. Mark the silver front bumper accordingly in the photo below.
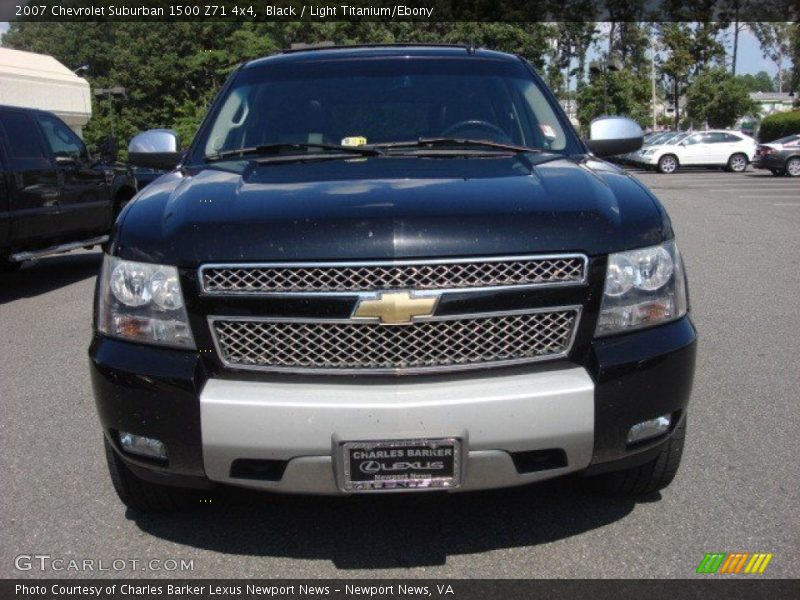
(302, 423)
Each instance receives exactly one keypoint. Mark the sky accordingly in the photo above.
(750, 59)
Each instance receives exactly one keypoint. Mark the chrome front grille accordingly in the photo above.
(453, 274)
(430, 343)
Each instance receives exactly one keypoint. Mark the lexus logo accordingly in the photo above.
(370, 467)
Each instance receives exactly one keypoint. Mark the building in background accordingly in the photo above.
(40, 81)
(772, 102)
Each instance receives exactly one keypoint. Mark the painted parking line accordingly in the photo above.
(777, 184)
(696, 197)
(766, 190)
(745, 186)
(786, 204)
(699, 180)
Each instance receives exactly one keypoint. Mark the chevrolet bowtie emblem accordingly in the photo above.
(395, 308)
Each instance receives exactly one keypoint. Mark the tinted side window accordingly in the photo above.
(714, 138)
(729, 137)
(23, 142)
(61, 139)
(694, 139)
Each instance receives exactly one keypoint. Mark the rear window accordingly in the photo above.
(789, 140)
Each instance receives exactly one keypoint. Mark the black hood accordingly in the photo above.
(389, 207)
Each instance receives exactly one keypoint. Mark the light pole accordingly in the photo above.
(109, 93)
(653, 80)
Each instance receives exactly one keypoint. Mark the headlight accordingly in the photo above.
(643, 288)
(142, 302)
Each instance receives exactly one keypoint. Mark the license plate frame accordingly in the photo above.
(401, 465)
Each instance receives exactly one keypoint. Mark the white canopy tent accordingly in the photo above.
(40, 81)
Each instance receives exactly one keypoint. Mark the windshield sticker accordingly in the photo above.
(548, 131)
(355, 140)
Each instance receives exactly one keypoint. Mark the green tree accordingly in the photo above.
(760, 82)
(795, 53)
(732, 13)
(675, 38)
(618, 93)
(570, 42)
(717, 99)
(775, 41)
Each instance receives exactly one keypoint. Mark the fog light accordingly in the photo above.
(143, 446)
(649, 429)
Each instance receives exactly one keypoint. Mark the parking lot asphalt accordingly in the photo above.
(737, 489)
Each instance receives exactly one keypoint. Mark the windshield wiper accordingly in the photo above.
(457, 142)
(280, 148)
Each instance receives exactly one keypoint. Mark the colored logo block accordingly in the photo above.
(734, 562)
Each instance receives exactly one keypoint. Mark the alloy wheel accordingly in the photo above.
(738, 163)
(667, 164)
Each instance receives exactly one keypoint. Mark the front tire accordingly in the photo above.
(650, 477)
(793, 167)
(143, 496)
(737, 163)
(667, 164)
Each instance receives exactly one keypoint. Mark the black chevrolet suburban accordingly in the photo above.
(390, 269)
(54, 197)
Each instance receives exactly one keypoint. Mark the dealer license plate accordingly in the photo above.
(401, 464)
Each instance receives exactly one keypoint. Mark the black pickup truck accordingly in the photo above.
(54, 197)
(390, 269)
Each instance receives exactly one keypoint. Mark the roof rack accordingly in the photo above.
(300, 47)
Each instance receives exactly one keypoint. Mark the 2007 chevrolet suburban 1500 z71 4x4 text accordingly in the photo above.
(386, 269)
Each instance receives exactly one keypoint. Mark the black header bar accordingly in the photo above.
(708, 588)
(401, 11)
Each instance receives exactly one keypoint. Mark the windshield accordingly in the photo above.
(658, 138)
(380, 101)
(674, 139)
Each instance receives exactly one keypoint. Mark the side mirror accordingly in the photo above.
(610, 136)
(155, 149)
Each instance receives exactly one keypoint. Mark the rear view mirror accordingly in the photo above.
(155, 149)
(610, 136)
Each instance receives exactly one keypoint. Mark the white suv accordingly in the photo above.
(729, 149)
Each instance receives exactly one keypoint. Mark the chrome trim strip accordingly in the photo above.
(409, 371)
(23, 256)
(393, 263)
